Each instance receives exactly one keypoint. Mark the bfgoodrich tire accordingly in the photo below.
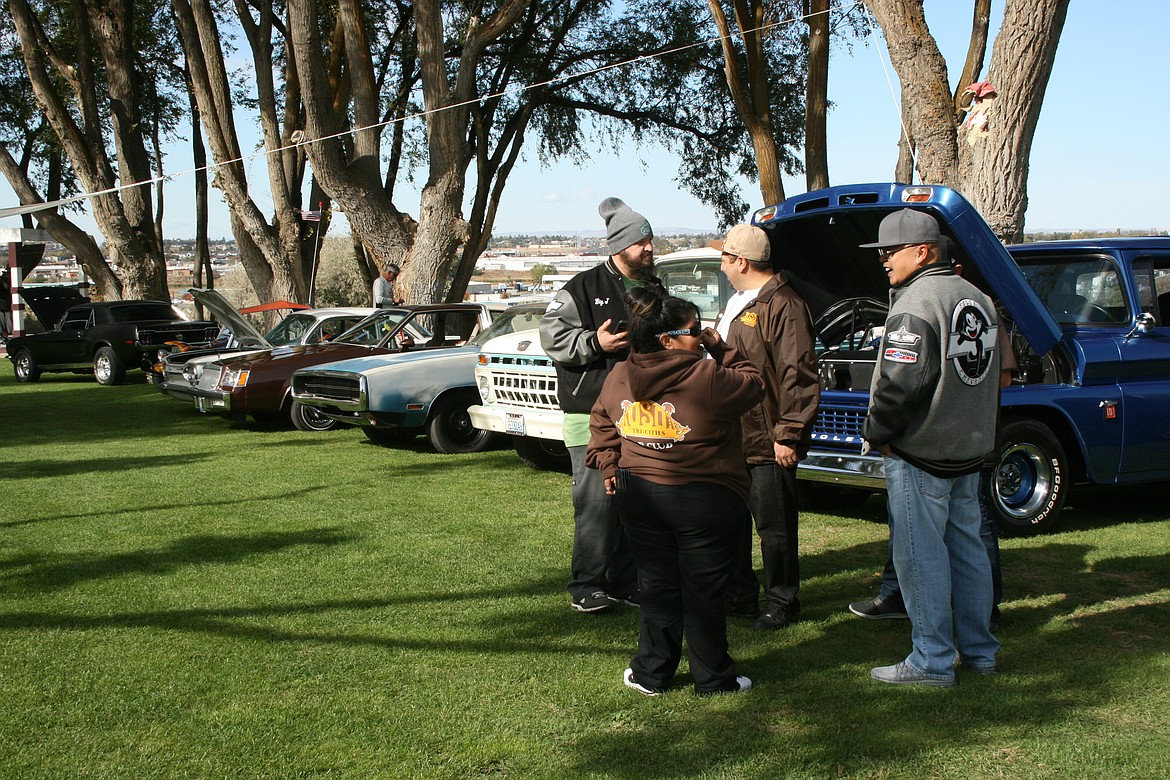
(450, 430)
(543, 454)
(1026, 490)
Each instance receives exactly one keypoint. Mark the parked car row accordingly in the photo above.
(1089, 322)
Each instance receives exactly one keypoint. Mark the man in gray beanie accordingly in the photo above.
(625, 227)
(584, 332)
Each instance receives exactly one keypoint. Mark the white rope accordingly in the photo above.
(35, 207)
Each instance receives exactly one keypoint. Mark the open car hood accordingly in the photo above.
(49, 303)
(227, 316)
(815, 238)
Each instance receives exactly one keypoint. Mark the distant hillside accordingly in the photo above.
(665, 231)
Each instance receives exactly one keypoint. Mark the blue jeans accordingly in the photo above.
(683, 537)
(602, 559)
(942, 567)
(891, 592)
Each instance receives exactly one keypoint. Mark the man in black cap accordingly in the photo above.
(584, 332)
(932, 415)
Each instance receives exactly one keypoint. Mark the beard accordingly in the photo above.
(641, 265)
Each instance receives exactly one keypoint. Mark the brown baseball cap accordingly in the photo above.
(747, 241)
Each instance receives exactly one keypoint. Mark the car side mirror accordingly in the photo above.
(1145, 324)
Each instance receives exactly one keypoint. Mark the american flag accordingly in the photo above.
(310, 216)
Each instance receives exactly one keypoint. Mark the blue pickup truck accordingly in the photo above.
(1090, 328)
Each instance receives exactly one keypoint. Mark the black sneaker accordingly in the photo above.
(749, 611)
(774, 618)
(876, 609)
(630, 600)
(597, 601)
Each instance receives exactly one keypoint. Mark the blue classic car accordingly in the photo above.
(1090, 327)
(400, 395)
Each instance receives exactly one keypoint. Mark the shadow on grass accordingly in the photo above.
(203, 503)
(52, 573)
(815, 710)
(40, 468)
(76, 413)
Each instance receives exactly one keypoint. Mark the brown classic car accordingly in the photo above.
(257, 384)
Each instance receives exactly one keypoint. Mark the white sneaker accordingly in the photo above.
(630, 682)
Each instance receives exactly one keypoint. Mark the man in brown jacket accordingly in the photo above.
(771, 325)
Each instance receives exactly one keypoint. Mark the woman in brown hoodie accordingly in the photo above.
(666, 437)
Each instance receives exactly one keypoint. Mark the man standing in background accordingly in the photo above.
(384, 294)
(771, 325)
(583, 331)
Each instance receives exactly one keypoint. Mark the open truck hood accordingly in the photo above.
(816, 236)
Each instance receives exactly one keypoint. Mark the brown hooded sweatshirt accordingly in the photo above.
(672, 417)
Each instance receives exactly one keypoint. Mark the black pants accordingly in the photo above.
(683, 539)
(773, 505)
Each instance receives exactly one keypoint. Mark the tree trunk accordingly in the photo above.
(386, 233)
(992, 173)
(1021, 62)
(76, 240)
(277, 264)
(976, 49)
(926, 96)
(751, 99)
(125, 220)
(816, 158)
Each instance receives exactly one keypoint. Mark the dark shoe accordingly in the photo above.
(742, 685)
(597, 601)
(904, 674)
(748, 611)
(876, 609)
(774, 618)
(632, 600)
(629, 681)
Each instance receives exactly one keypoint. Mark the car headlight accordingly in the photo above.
(232, 378)
(484, 383)
(193, 373)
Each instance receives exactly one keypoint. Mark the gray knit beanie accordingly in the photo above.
(623, 226)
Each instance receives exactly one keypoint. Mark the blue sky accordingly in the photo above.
(1099, 159)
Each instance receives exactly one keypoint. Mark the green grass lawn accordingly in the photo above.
(184, 598)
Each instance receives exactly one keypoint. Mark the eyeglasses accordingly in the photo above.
(694, 330)
(885, 252)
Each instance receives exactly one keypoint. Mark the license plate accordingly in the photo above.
(514, 423)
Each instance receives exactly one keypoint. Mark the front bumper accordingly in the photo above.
(518, 421)
(843, 468)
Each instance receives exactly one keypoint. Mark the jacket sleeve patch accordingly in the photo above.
(899, 355)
